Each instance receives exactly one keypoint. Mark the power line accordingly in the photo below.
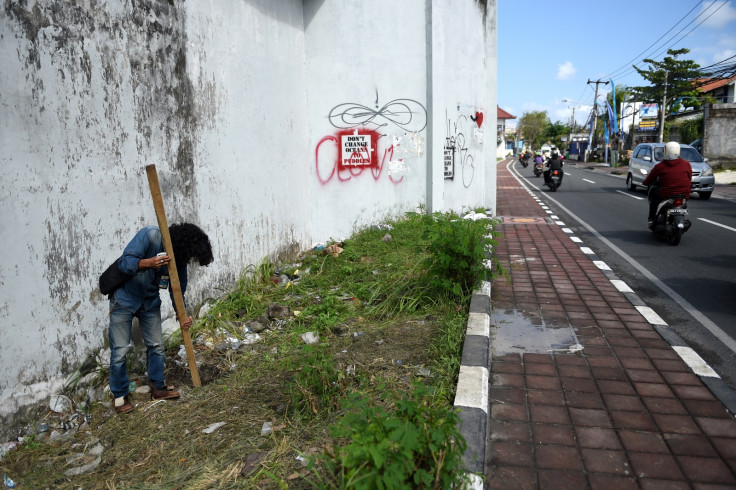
(626, 65)
(632, 69)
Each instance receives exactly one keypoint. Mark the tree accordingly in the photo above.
(553, 133)
(671, 78)
(532, 125)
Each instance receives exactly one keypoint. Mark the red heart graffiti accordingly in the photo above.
(479, 118)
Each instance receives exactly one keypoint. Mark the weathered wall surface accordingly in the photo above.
(91, 93)
(719, 142)
(272, 124)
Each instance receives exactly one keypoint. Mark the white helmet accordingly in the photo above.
(672, 150)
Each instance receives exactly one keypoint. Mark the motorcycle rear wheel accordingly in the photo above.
(676, 236)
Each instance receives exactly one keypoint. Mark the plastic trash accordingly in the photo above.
(60, 403)
(213, 427)
(267, 428)
(8, 482)
(310, 338)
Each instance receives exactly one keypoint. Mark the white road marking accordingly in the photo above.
(576, 239)
(567, 230)
(586, 250)
(650, 315)
(630, 195)
(717, 224)
(696, 363)
(559, 223)
(586, 180)
(601, 265)
(621, 286)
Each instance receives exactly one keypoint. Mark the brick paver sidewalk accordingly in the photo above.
(616, 408)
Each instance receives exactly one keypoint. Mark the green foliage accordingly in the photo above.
(678, 76)
(532, 125)
(415, 444)
(317, 384)
(457, 251)
(553, 133)
(691, 129)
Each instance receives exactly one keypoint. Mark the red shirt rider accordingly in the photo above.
(675, 174)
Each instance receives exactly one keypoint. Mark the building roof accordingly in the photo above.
(501, 114)
(716, 83)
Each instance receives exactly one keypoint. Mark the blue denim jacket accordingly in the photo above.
(142, 289)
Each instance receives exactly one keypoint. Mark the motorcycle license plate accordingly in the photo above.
(677, 211)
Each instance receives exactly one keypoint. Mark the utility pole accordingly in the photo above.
(663, 110)
(591, 138)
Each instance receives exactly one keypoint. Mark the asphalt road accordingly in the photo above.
(692, 286)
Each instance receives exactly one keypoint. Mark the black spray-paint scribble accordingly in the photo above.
(407, 114)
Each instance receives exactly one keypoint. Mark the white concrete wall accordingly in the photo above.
(242, 105)
(719, 143)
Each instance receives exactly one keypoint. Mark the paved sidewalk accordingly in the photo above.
(584, 391)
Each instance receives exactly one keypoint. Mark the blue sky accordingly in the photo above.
(548, 50)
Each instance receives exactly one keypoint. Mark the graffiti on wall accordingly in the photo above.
(456, 151)
(354, 147)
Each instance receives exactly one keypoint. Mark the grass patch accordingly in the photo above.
(369, 405)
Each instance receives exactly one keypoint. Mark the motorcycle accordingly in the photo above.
(555, 179)
(671, 220)
(538, 169)
(524, 160)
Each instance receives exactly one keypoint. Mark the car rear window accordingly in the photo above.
(688, 154)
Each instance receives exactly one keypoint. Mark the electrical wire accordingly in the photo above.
(627, 64)
(666, 48)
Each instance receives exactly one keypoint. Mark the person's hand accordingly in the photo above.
(156, 262)
(186, 323)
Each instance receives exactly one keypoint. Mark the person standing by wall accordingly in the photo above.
(139, 297)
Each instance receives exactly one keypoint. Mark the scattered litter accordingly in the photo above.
(251, 338)
(6, 447)
(233, 342)
(383, 226)
(275, 350)
(132, 386)
(387, 238)
(80, 470)
(213, 427)
(398, 362)
(267, 428)
(426, 372)
(310, 338)
(252, 462)
(357, 334)
(350, 369)
(302, 460)
(297, 312)
(60, 404)
(379, 342)
(475, 216)
(153, 404)
(375, 272)
(8, 482)
(570, 350)
(333, 250)
(145, 389)
(319, 246)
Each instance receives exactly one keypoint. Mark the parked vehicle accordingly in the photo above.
(555, 179)
(647, 155)
(671, 220)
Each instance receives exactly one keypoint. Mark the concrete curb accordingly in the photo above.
(471, 398)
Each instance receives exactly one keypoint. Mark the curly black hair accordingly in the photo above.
(190, 242)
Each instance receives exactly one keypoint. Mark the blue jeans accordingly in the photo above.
(121, 322)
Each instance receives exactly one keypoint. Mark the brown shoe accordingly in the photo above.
(165, 393)
(123, 405)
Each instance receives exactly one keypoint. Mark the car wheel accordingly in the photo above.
(630, 183)
(704, 195)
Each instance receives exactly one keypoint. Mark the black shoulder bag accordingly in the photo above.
(112, 279)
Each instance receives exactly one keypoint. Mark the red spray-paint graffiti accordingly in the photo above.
(349, 154)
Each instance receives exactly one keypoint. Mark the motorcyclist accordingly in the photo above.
(553, 163)
(670, 177)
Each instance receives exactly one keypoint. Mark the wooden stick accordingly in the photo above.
(158, 204)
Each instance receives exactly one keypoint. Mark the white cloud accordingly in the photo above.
(566, 71)
(726, 53)
(721, 17)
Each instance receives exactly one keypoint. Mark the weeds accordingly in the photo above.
(370, 404)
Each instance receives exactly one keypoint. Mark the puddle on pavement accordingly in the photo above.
(513, 332)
